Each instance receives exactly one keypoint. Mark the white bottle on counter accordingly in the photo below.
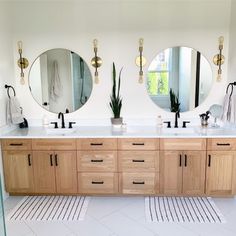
(159, 121)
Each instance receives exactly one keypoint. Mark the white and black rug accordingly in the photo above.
(50, 208)
(182, 209)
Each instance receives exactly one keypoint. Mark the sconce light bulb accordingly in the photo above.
(221, 40)
(218, 77)
(22, 81)
(95, 43)
(19, 44)
(140, 80)
(96, 79)
(141, 42)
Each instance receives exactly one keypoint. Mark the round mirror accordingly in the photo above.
(60, 81)
(179, 75)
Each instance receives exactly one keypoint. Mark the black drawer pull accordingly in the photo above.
(185, 160)
(138, 160)
(135, 182)
(96, 144)
(138, 144)
(97, 182)
(180, 160)
(16, 144)
(51, 163)
(209, 160)
(29, 160)
(56, 161)
(97, 160)
(223, 144)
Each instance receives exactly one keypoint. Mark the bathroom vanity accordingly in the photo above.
(89, 162)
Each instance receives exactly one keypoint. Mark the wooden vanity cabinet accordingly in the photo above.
(138, 165)
(97, 166)
(18, 166)
(182, 166)
(221, 167)
(55, 166)
(167, 166)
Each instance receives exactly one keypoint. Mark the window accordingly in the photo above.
(159, 74)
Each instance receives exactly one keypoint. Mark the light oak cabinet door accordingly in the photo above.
(18, 169)
(55, 172)
(194, 172)
(219, 174)
(44, 172)
(65, 167)
(171, 172)
(183, 172)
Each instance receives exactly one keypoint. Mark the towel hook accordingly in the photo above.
(8, 87)
(232, 88)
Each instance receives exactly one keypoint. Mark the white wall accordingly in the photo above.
(6, 68)
(118, 25)
(232, 48)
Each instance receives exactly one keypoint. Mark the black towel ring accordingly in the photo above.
(232, 88)
(8, 87)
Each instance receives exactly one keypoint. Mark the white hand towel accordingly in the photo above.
(56, 87)
(14, 111)
(232, 114)
(226, 108)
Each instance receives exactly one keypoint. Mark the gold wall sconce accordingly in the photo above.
(140, 61)
(219, 59)
(22, 62)
(96, 61)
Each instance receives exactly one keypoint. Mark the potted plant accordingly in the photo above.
(174, 102)
(116, 100)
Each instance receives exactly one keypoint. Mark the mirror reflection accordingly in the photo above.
(185, 72)
(60, 81)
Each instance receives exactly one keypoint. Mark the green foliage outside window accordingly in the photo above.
(158, 83)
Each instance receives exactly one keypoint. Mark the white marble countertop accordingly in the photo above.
(125, 132)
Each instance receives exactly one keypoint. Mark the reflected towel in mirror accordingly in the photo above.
(56, 87)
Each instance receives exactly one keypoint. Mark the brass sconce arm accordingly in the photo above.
(96, 61)
(219, 59)
(140, 60)
(22, 62)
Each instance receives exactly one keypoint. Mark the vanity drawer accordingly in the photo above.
(221, 144)
(98, 183)
(54, 144)
(97, 144)
(94, 161)
(183, 144)
(134, 161)
(138, 183)
(16, 144)
(138, 144)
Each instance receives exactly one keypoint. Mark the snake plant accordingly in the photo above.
(116, 100)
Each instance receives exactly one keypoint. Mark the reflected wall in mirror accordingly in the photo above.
(60, 81)
(184, 70)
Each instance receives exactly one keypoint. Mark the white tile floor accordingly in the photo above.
(122, 216)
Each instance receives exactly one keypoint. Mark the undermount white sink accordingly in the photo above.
(60, 131)
(178, 131)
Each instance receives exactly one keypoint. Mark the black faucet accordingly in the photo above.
(177, 115)
(61, 115)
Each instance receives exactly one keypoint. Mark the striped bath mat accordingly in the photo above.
(50, 208)
(182, 209)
